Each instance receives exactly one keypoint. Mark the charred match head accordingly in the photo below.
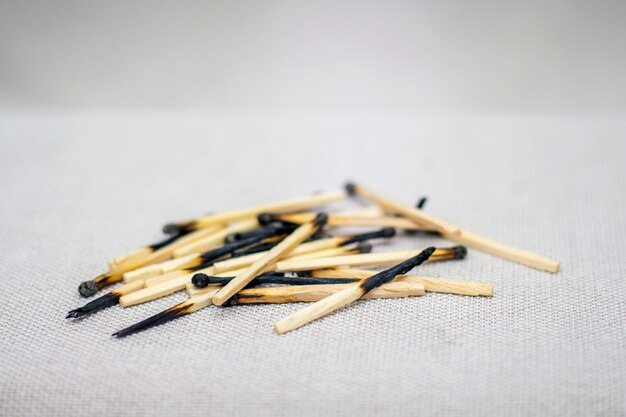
(88, 288)
(452, 253)
(98, 304)
(179, 228)
(320, 220)
(364, 247)
(350, 189)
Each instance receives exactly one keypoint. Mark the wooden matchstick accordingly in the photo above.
(199, 260)
(105, 301)
(344, 220)
(301, 203)
(150, 254)
(351, 293)
(203, 280)
(385, 258)
(216, 239)
(273, 295)
(279, 251)
(304, 248)
(439, 285)
(456, 234)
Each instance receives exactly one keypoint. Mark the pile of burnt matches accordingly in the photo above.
(282, 253)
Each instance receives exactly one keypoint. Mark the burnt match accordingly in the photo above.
(154, 253)
(455, 233)
(351, 293)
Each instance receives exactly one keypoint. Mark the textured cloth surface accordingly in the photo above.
(78, 190)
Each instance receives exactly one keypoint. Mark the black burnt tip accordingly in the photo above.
(350, 189)
(200, 280)
(320, 220)
(364, 247)
(387, 232)
(421, 202)
(265, 218)
(460, 252)
(172, 229)
(88, 288)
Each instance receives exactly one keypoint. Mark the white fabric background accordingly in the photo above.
(78, 189)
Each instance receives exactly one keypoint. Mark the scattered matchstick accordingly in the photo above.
(203, 280)
(105, 301)
(384, 258)
(456, 234)
(260, 266)
(345, 220)
(351, 293)
(301, 203)
(157, 252)
(439, 285)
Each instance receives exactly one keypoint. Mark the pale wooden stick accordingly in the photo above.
(277, 252)
(216, 239)
(147, 255)
(439, 285)
(349, 294)
(301, 203)
(161, 268)
(384, 258)
(461, 236)
(136, 259)
(352, 220)
(247, 260)
(156, 291)
(311, 293)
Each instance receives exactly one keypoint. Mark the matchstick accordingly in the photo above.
(273, 295)
(216, 239)
(105, 301)
(150, 254)
(458, 235)
(203, 280)
(438, 285)
(204, 259)
(305, 248)
(313, 293)
(301, 203)
(385, 258)
(351, 293)
(344, 220)
(279, 251)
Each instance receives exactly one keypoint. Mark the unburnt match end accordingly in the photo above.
(348, 295)
(456, 234)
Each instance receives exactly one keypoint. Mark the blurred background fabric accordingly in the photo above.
(326, 56)
(116, 117)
